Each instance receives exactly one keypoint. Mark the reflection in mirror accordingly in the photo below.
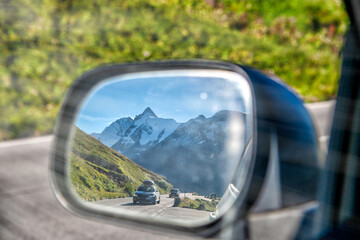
(166, 144)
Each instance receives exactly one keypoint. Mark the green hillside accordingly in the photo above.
(98, 172)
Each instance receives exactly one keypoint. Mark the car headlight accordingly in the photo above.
(153, 195)
(135, 195)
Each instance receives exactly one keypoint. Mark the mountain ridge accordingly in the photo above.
(133, 136)
(190, 154)
(195, 157)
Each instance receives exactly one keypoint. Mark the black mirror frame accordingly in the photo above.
(280, 110)
(60, 163)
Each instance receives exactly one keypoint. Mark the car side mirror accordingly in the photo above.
(213, 129)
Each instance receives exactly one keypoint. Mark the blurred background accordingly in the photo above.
(46, 44)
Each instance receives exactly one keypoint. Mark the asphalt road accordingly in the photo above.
(164, 209)
(29, 210)
(322, 114)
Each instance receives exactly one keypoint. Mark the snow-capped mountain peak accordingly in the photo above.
(193, 148)
(200, 117)
(133, 136)
(198, 148)
(147, 113)
(111, 134)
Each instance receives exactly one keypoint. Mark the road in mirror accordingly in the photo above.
(162, 145)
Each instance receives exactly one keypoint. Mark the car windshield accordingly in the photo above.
(174, 190)
(146, 189)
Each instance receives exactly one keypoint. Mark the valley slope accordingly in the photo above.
(99, 172)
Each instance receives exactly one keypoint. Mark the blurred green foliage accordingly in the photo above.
(46, 44)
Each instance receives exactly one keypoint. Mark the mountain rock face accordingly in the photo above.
(111, 134)
(131, 137)
(194, 156)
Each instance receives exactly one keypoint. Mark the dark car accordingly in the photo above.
(174, 192)
(147, 194)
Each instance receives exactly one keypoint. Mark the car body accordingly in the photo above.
(174, 192)
(147, 194)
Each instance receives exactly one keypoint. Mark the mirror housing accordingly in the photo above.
(284, 137)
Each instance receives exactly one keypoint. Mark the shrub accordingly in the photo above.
(85, 181)
(129, 188)
(198, 204)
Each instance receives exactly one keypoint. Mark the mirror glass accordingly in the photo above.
(163, 145)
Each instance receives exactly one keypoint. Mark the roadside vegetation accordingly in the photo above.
(198, 204)
(46, 44)
(99, 172)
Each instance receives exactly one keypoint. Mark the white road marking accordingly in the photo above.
(161, 210)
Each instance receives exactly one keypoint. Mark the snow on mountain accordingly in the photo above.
(133, 136)
(194, 157)
(159, 130)
(111, 134)
(148, 113)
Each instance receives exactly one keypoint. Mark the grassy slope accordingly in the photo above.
(46, 44)
(198, 204)
(99, 172)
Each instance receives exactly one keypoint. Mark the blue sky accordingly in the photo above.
(180, 98)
